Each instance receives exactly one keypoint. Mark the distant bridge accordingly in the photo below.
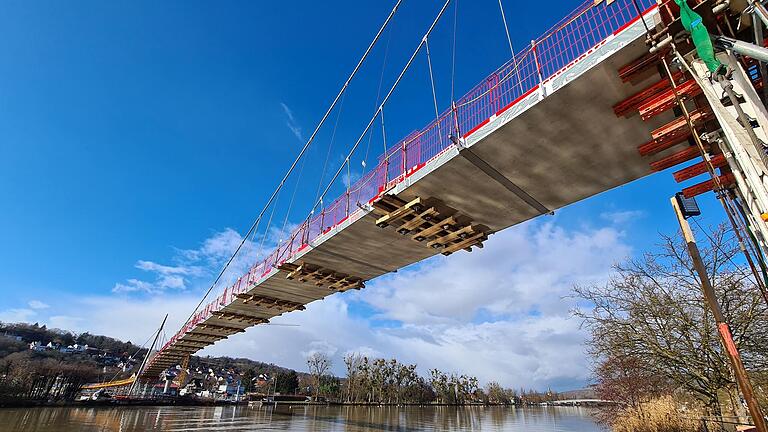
(580, 402)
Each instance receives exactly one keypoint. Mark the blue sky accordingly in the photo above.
(140, 132)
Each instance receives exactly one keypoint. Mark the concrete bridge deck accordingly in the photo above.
(554, 144)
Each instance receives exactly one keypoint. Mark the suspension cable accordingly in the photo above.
(293, 196)
(378, 96)
(330, 148)
(383, 134)
(255, 224)
(269, 225)
(384, 101)
(511, 47)
(431, 77)
(453, 50)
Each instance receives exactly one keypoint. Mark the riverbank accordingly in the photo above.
(120, 403)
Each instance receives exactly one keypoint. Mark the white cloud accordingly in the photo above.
(291, 122)
(196, 267)
(124, 317)
(37, 304)
(134, 285)
(622, 217)
(66, 322)
(17, 315)
(166, 270)
(501, 313)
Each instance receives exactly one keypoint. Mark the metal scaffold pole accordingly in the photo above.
(742, 379)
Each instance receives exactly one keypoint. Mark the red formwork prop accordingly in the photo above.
(706, 186)
(681, 156)
(698, 169)
(632, 103)
(673, 133)
(628, 72)
(668, 99)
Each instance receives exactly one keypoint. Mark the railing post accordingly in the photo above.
(349, 183)
(495, 99)
(456, 124)
(538, 69)
(405, 156)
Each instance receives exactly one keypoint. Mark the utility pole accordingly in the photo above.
(722, 326)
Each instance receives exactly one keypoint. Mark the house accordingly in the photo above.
(76, 348)
(37, 346)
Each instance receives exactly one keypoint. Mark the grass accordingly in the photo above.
(658, 415)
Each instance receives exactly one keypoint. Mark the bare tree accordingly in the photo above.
(353, 363)
(651, 316)
(319, 364)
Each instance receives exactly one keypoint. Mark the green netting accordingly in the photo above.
(701, 39)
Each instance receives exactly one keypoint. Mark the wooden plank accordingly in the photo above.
(393, 200)
(427, 216)
(217, 327)
(398, 214)
(288, 266)
(357, 285)
(348, 281)
(471, 241)
(238, 317)
(296, 271)
(466, 231)
(435, 229)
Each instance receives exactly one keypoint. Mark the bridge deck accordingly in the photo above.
(560, 142)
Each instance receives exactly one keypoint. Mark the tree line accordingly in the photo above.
(381, 381)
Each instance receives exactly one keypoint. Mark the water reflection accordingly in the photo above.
(299, 418)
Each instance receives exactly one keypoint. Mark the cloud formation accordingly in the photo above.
(37, 304)
(194, 266)
(291, 122)
(501, 313)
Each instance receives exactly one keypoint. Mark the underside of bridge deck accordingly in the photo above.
(539, 155)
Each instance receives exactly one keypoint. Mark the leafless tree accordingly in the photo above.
(319, 364)
(650, 321)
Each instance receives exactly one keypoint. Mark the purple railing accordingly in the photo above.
(565, 43)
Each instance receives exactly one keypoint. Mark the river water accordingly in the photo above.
(298, 418)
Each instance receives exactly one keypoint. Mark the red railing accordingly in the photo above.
(548, 56)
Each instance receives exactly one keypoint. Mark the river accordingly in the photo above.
(298, 418)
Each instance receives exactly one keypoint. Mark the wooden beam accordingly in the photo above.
(270, 302)
(450, 237)
(470, 241)
(209, 339)
(199, 333)
(222, 328)
(239, 317)
(444, 225)
(426, 217)
(413, 206)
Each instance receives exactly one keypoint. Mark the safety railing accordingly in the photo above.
(565, 43)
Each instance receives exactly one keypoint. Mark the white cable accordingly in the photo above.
(255, 224)
(384, 101)
(511, 47)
